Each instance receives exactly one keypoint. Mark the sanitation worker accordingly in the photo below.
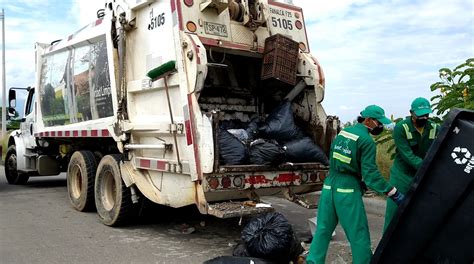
(413, 137)
(352, 163)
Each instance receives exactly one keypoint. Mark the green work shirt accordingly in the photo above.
(353, 153)
(411, 146)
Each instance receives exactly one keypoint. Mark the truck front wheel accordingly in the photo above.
(112, 198)
(80, 180)
(11, 172)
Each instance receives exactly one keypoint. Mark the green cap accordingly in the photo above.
(375, 112)
(421, 106)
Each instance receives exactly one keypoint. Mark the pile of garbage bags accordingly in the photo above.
(267, 142)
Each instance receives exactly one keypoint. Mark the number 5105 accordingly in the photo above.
(282, 23)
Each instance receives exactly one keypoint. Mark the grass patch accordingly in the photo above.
(384, 163)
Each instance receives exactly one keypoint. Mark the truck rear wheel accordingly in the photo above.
(112, 198)
(80, 180)
(11, 171)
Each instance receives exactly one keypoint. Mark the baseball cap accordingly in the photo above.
(375, 112)
(421, 106)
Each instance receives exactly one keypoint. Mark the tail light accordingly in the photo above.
(191, 26)
(298, 24)
(213, 183)
(226, 182)
(189, 3)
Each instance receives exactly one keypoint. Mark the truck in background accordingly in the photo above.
(130, 106)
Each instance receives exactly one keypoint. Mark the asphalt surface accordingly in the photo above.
(38, 225)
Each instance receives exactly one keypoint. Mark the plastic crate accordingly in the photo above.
(280, 59)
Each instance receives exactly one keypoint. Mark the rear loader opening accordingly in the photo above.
(255, 126)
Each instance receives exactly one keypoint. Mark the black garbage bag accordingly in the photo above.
(271, 237)
(304, 150)
(240, 251)
(280, 124)
(266, 152)
(232, 124)
(241, 134)
(252, 128)
(232, 151)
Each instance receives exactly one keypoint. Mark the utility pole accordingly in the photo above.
(4, 99)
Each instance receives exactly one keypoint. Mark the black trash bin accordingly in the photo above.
(435, 224)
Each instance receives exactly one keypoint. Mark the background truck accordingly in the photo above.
(130, 106)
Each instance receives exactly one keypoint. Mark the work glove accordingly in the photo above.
(396, 196)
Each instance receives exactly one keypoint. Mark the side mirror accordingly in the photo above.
(11, 112)
(12, 98)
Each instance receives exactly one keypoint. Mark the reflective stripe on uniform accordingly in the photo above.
(349, 135)
(433, 132)
(407, 131)
(327, 187)
(341, 157)
(345, 190)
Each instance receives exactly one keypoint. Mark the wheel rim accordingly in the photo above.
(109, 191)
(76, 181)
(11, 165)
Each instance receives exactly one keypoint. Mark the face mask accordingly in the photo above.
(421, 122)
(376, 130)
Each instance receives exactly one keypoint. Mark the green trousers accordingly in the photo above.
(402, 182)
(341, 201)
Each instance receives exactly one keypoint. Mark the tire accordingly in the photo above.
(80, 180)
(112, 198)
(11, 172)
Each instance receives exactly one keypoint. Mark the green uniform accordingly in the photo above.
(352, 159)
(411, 148)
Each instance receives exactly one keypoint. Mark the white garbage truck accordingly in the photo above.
(131, 106)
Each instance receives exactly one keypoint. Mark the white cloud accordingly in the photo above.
(385, 52)
(85, 11)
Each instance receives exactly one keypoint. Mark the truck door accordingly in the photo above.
(28, 127)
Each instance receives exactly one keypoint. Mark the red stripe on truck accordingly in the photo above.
(75, 133)
(287, 177)
(145, 163)
(105, 133)
(189, 137)
(256, 179)
(180, 15)
(161, 165)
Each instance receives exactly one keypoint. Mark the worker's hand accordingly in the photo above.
(397, 196)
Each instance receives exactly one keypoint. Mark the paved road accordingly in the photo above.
(37, 225)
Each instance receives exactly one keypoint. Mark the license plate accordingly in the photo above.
(215, 29)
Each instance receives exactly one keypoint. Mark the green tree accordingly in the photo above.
(456, 88)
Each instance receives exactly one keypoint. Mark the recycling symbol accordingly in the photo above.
(461, 155)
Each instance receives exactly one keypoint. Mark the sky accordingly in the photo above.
(384, 52)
